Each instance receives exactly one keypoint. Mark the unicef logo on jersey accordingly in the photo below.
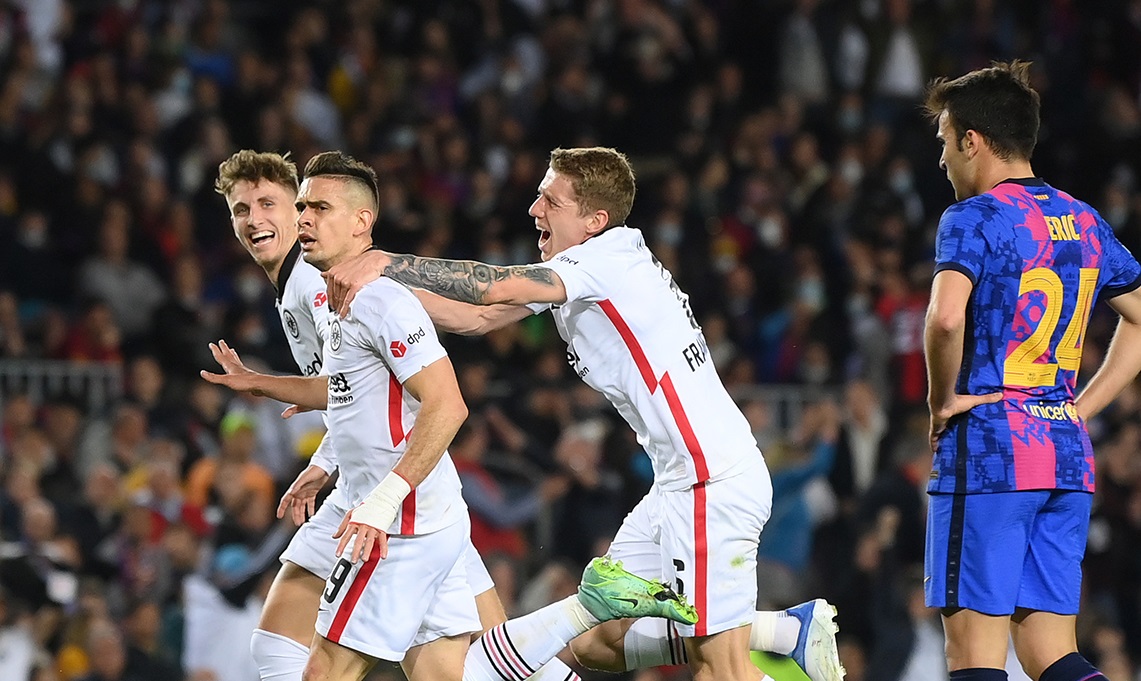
(291, 324)
(335, 335)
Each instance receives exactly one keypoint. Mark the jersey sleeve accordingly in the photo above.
(959, 242)
(1120, 271)
(400, 331)
(583, 271)
(325, 457)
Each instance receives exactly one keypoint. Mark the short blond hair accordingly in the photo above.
(255, 166)
(601, 177)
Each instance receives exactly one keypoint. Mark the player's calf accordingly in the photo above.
(603, 648)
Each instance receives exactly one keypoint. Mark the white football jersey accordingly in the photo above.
(386, 339)
(302, 305)
(631, 335)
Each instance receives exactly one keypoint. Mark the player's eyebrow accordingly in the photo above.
(313, 203)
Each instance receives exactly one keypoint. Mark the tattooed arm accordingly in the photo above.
(468, 320)
(464, 280)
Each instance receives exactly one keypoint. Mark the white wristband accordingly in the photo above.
(379, 508)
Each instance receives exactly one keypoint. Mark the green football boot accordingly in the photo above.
(611, 593)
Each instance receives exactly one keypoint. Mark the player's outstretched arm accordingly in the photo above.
(308, 392)
(1122, 360)
(442, 411)
(943, 344)
(466, 319)
(467, 281)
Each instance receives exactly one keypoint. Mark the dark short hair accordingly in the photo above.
(997, 102)
(254, 166)
(340, 164)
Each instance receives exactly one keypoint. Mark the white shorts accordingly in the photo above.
(702, 541)
(314, 549)
(478, 578)
(419, 593)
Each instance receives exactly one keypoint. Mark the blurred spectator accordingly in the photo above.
(96, 337)
(146, 657)
(496, 513)
(232, 475)
(18, 650)
(131, 290)
(183, 325)
(786, 542)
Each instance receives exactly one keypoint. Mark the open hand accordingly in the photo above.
(237, 376)
(367, 536)
(345, 280)
(301, 497)
(959, 404)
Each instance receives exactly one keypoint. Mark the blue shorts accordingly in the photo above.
(998, 551)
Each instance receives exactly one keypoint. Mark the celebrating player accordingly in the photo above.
(390, 362)
(1019, 264)
(631, 335)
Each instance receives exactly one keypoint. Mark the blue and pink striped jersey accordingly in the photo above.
(1039, 259)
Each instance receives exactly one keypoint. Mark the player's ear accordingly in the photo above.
(365, 217)
(972, 143)
(599, 221)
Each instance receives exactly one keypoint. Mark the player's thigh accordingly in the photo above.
(977, 545)
(1052, 574)
(723, 656)
(1041, 639)
(329, 661)
(291, 605)
(709, 538)
(491, 612)
(377, 606)
(451, 610)
(975, 639)
(439, 660)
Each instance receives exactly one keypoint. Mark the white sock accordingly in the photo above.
(516, 649)
(555, 670)
(279, 658)
(652, 642)
(774, 631)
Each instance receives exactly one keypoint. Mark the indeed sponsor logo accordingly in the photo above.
(1053, 412)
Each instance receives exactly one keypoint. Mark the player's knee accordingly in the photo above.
(596, 652)
(317, 668)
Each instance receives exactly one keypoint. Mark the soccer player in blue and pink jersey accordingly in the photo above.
(1019, 264)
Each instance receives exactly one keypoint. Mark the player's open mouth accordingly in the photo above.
(262, 237)
(544, 237)
(305, 240)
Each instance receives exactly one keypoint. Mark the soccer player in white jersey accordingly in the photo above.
(260, 189)
(388, 361)
(631, 335)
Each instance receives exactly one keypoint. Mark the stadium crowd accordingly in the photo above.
(787, 179)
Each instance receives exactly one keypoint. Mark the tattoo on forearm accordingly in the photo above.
(463, 280)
